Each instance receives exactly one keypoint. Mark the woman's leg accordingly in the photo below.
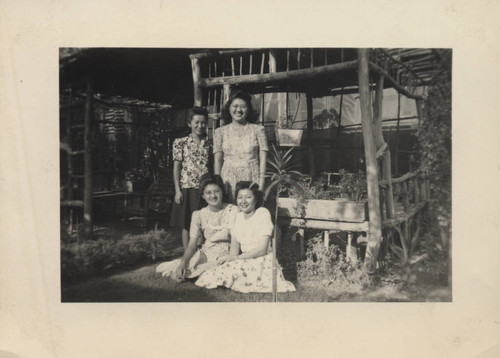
(185, 238)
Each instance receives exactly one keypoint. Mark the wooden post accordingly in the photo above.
(339, 128)
(310, 127)
(198, 96)
(396, 159)
(272, 61)
(227, 93)
(380, 143)
(351, 252)
(375, 224)
(69, 181)
(87, 188)
(262, 107)
(275, 262)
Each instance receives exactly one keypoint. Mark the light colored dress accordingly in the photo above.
(241, 153)
(214, 228)
(248, 275)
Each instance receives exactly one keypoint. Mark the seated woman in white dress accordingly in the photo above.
(211, 225)
(248, 267)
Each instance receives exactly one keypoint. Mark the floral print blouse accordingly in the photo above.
(194, 160)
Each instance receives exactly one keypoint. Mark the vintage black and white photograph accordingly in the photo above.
(249, 179)
(255, 174)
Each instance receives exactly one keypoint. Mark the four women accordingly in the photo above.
(240, 153)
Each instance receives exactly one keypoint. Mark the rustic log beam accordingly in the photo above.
(87, 188)
(375, 223)
(223, 53)
(393, 82)
(400, 179)
(72, 203)
(325, 225)
(277, 76)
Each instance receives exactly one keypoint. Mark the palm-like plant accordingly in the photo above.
(281, 170)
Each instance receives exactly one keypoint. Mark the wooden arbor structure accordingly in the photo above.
(323, 72)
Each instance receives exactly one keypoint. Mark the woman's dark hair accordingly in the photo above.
(197, 111)
(207, 179)
(252, 115)
(254, 187)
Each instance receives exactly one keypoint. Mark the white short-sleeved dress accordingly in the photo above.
(213, 227)
(241, 154)
(248, 275)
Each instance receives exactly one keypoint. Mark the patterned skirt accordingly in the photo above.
(202, 260)
(250, 275)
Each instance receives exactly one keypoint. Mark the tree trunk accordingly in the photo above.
(375, 225)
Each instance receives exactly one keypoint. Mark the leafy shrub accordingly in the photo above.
(328, 267)
(94, 257)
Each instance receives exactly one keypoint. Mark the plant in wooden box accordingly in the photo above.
(281, 172)
(317, 201)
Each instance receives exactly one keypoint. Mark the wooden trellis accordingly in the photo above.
(321, 72)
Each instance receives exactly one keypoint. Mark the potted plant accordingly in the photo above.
(137, 180)
(286, 135)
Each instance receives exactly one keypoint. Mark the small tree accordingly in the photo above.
(281, 171)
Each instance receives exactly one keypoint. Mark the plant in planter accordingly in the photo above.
(137, 180)
(285, 134)
(317, 200)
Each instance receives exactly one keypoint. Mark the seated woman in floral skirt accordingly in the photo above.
(248, 267)
(209, 226)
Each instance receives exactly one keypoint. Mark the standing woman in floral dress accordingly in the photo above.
(191, 156)
(240, 146)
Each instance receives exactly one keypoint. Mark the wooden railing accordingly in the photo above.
(411, 192)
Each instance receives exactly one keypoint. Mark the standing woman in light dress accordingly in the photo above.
(248, 267)
(240, 146)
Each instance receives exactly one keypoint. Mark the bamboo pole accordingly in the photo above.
(197, 93)
(275, 263)
(227, 93)
(338, 129)
(87, 188)
(375, 224)
(310, 127)
(380, 143)
(396, 159)
(272, 61)
(69, 179)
